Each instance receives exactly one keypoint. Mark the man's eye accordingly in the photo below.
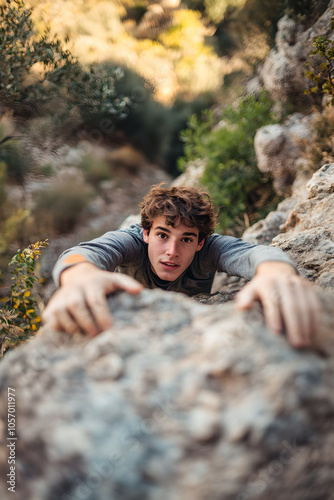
(162, 235)
(187, 240)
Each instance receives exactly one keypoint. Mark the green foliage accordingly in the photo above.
(217, 9)
(46, 170)
(17, 164)
(59, 207)
(262, 11)
(3, 178)
(155, 129)
(320, 148)
(19, 313)
(160, 49)
(305, 11)
(36, 68)
(186, 32)
(21, 50)
(95, 171)
(13, 228)
(231, 175)
(93, 91)
(324, 75)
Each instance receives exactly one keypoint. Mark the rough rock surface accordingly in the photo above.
(309, 231)
(283, 73)
(263, 231)
(303, 226)
(279, 149)
(192, 176)
(178, 401)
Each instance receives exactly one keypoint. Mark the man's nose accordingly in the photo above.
(173, 248)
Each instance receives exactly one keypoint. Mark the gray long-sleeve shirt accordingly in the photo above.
(126, 250)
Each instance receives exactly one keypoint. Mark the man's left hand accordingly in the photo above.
(290, 303)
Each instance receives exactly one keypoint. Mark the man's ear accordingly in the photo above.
(200, 244)
(145, 235)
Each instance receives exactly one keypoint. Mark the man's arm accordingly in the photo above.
(112, 249)
(80, 304)
(85, 276)
(289, 302)
(237, 257)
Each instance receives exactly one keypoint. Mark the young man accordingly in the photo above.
(175, 249)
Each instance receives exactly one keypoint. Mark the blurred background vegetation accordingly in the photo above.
(141, 68)
(131, 72)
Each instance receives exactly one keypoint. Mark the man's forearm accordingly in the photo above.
(271, 267)
(76, 269)
(69, 261)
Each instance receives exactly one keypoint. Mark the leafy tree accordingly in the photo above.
(236, 185)
(21, 50)
(59, 75)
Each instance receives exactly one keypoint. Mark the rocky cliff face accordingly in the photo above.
(182, 400)
(178, 400)
(303, 225)
(309, 230)
(279, 149)
(283, 73)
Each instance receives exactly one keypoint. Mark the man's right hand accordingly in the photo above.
(80, 304)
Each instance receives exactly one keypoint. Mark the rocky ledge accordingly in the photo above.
(309, 230)
(178, 400)
(303, 225)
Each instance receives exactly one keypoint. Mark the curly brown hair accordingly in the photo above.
(180, 205)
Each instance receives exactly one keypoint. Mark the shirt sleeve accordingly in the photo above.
(239, 258)
(113, 249)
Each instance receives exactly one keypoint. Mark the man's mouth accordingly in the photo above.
(170, 265)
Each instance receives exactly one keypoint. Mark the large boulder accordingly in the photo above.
(308, 235)
(279, 149)
(177, 401)
(192, 175)
(263, 231)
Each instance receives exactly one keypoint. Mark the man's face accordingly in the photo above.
(171, 249)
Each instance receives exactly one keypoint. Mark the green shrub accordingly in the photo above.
(3, 179)
(19, 313)
(60, 76)
(21, 50)
(59, 207)
(94, 91)
(305, 11)
(320, 148)
(323, 76)
(13, 228)
(46, 170)
(237, 187)
(17, 164)
(95, 171)
(152, 127)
